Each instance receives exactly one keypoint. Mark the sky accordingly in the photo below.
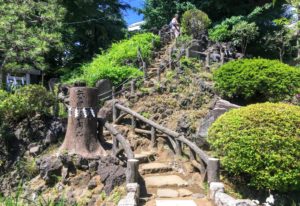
(131, 16)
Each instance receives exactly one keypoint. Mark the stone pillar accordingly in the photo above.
(81, 137)
(27, 79)
(213, 170)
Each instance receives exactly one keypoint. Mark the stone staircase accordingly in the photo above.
(165, 179)
(161, 62)
(169, 180)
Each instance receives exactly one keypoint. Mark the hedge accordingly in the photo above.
(261, 144)
(257, 80)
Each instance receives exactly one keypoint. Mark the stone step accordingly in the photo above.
(172, 193)
(145, 156)
(175, 203)
(155, 167)
(163, 181)
(152, 69)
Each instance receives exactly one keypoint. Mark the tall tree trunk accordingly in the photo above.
(1, 78)
(1, 72)
(281, 53)
(298, 40)
(81, 137)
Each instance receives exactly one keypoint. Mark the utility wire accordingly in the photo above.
(91, 20)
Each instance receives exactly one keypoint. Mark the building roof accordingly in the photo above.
(136, 26)
(26, 71)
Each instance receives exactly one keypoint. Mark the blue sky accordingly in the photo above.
(131, 16)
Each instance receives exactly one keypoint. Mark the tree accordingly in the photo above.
(91, 26)
(28, 32)
(244, 32)
(296, 5)
(159, 12)
(280, 40)
(195, 22)
(81, 136)
(223, 32)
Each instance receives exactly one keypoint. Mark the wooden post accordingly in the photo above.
(132, 171)
(178, 148)
(187, 53)
(222, 57)
(153, 137)
(213, 170)
(145, 70)
(133, 123)
(132, 87)
(192, 154)
(158, 74)
(114, 104)
(170, 57)
(207, 59)
(115, 144)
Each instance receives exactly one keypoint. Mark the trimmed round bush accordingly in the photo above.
(195, 22)
(257, 80)
(260, 143)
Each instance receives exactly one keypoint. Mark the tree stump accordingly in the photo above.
(81, 136)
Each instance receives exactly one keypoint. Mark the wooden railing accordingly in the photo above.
(209, 167)
(120, 144)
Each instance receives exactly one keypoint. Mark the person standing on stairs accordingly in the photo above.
(175, 26)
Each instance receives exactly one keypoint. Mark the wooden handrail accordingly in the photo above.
(166, 131)
(212, 165)
(150, 122)
(194, 147)
(125, 144)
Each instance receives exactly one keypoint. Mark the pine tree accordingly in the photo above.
(28, 31)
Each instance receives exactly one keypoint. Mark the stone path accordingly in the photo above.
(161, 183)
(164, 185)
(175, 203)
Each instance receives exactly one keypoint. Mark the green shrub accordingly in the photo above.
(261, 144)
(223, 32)
(119, 62)
(257, 80)
(183, 40)
(26, 102)
(195, 22)
(3, 95)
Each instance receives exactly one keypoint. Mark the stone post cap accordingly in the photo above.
(216, 186)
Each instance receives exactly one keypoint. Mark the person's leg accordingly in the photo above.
(177, 33)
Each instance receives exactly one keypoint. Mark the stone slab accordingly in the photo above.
(175, 203)
(184, 192)
(144, 157)
(165, 181)
(167, 193)
(155, 167)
